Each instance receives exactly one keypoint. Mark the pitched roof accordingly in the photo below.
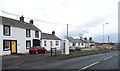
(17, 23)
(72, 40)
(49, 36)
(89, 41)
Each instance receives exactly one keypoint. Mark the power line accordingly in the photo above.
(44, 21)
(33, 19)
(10, 13)
(83, 30)
(78, 29)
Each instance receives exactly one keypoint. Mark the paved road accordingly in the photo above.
(105, 60)
(96, 61)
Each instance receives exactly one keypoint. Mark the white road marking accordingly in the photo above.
(88, 66)
(108, 58)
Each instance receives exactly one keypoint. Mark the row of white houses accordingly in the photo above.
(81, 42)
(17, 36)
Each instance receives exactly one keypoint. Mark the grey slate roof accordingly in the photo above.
(75, 40)
(49, 36)
(19, 24)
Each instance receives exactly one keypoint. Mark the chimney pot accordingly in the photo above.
(90, 38)
(85, 38)
(31, 21)
(53, 32)
(22, 18)
(81, 36)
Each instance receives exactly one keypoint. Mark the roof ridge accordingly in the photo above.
(16, 23)
(13, 19)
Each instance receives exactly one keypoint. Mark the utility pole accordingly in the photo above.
(108, 39)
(103, 31)
(67, 31)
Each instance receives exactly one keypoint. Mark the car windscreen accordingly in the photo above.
(39, 47)
(43, 47)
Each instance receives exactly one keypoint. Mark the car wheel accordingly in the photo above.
(45, 52)
(39, 52)
(30, 52)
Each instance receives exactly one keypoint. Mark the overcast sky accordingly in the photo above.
(83, 16)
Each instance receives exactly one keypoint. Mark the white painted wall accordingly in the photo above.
(88, 45)
(71, 44)
(1, 29)
(53, 44)
(66, 46)
(18, 34)
(1, 42)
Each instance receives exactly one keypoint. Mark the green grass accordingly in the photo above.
(85, 52)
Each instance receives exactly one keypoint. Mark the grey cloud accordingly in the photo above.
(94, 22)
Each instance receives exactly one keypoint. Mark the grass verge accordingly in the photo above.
(85, 52)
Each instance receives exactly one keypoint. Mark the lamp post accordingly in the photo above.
(67, 31)
(103, 31)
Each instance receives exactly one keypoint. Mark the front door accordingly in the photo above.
(13, 47)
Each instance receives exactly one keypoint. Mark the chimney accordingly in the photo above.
(22, 18)
(81, 36)
(90, 39)
(31, 21)
(53, 32)
(85, 38)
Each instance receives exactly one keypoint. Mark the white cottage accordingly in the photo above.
(76, 42)
(50, 41)
(90, 43)
(17, 36)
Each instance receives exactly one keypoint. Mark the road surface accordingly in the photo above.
(97, 61)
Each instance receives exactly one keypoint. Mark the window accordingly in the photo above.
(6, 45)
(44, 43)
(6, 30)
(51, 44)
(28, 44)
(78, 44)
(82, 44)
(37, 34)
(57, 43)
(27, 33)
(74, 44)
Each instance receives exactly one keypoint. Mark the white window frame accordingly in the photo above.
(28, 46)
(45, 43)
(57, 43)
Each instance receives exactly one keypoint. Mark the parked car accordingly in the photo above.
(37, 49)
(78, 48)
(74, 48)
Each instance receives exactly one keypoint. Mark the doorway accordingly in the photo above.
(13, 47)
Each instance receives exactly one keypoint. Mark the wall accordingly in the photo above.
(53, 44)
(18, 34)
(1, 45)
(71, 44)
(88, 45)
(1, 29)
(32, 36)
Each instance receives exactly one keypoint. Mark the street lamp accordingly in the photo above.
(103, 31)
